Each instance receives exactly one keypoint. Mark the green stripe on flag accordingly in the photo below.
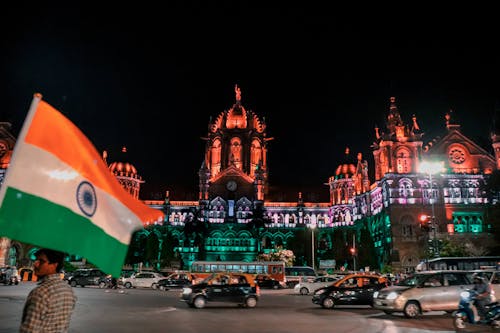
(34, 220)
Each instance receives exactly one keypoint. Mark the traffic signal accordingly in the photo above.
(353, 251)
(425, 222)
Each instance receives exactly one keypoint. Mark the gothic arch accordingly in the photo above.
(215, 157)
(403, 158)
(405, 188)
(235, 157)
(255, 156)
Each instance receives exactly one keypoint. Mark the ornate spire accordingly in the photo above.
(394, 118)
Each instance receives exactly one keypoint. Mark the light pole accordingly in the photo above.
(432, 168)
(312, 227)
(353, 251)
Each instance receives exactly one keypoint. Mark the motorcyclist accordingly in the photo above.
(483, 289)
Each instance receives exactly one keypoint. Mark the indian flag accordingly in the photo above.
(58, 193)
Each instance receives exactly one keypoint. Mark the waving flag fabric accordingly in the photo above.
(58, 193)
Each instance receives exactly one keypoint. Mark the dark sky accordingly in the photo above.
(151, 78)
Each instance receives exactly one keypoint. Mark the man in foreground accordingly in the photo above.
(49, 306)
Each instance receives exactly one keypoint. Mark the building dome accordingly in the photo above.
(125, 169)
(346, 169)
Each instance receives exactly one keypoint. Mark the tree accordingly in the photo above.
(279, 254)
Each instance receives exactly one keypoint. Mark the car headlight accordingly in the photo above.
(465, 294)
(375, 294)
(186, 291)
(392, 295)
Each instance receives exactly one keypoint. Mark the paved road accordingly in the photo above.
(143, 310)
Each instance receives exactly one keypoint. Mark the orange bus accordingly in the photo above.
(275, 269)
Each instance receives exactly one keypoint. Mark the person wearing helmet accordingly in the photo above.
(483, 289)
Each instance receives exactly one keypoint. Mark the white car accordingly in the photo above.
(305, 288)
(141, 279)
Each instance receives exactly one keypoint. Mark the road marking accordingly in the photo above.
(167, 309)
(391, 328)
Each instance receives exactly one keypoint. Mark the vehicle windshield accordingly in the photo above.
(412, 280)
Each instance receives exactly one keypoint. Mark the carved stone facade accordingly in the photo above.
(234, 219)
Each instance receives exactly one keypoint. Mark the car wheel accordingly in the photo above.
(251, 302)
(412, 309)
(276, 286)
(102, 284)
(328, 303)
(128, 285)
(72, 283)
(161, 288)
(199, 302)
(154, 286)
(304, 291)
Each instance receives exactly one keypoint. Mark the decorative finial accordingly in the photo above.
(415, 124)
(238, 93)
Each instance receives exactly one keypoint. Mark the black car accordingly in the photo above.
(353, 289)
(264, 281)
(239, 288)
(86, 277)
(175, 280)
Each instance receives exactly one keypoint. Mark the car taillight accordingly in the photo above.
(257, 290)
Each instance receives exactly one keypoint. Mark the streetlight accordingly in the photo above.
(432, 168)
(312, 227)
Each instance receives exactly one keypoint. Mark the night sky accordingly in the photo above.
(151, 78)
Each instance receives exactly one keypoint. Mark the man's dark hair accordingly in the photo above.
(53, 256)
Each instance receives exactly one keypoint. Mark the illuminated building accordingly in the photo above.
(235, 216)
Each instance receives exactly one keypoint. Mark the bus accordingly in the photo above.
(461, 263)
(275, 269)
(296, 274)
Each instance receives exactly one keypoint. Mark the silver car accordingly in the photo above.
(305, 288)
(422, 292)
(142, 279)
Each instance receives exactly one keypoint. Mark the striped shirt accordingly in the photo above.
(49, 306)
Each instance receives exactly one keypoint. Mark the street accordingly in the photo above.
(145, 310)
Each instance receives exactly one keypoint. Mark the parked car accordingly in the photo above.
(265, 281)
(239, 288)
(305, 288)
(141, 279)
(9, 275)
(352, 289)
(422, 292)
(86, 277)
(176, 280)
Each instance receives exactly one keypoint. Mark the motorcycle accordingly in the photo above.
(467, 313)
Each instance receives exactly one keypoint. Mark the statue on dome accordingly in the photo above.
(238, 93)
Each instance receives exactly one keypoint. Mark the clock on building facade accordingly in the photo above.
(231, 185)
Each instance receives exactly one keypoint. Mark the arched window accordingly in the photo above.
(235, 155)
(403, 161)
(255, 156)
(405, 188)
(215, 152)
